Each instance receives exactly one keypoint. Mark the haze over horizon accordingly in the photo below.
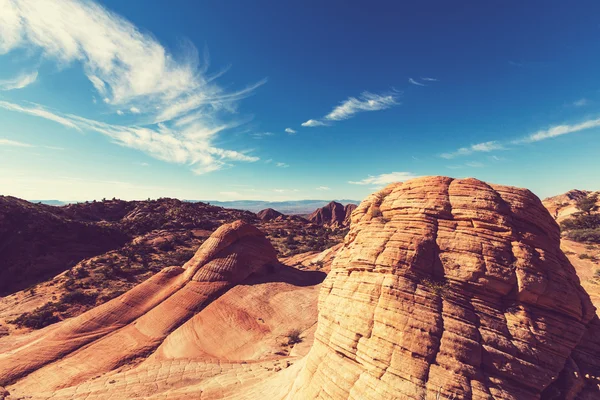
(296, 100)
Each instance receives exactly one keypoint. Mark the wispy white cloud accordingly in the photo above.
(190, 145)
(260, 135)
(385, 179)
(282, 165)
(39, 111)
(366, 102)
(119, 112)
(269, 161)
(558, 130)
(290, 131)
(285, 190)
(412, 81)
(429, 79)
(20, 81)
(580, 103)
(130, 70)
(122, 63)
(311, 123)
(485, 147)
(323, 188)
(475, 164)
(13, 143)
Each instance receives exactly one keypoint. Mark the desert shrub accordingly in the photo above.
(587, 204)
(166, 246)
(597, 274)
(585, 256)
(585, 235)
(293, 336)
(581, 221)
(81, 272)
(440, 288)
(79, 297)
(37, 319)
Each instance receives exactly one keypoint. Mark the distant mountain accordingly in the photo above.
(285, 207)
(333, 214)
(52, 202)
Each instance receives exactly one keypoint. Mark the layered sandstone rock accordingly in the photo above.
(134, 324)
(457, 289)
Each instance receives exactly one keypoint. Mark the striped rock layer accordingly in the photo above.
(452, 288)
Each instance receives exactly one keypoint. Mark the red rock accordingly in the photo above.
(268, 214)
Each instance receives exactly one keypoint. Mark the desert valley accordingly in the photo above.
(435, 288)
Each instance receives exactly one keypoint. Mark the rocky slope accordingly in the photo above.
(563, 205)
(333, 214)
(38, 241)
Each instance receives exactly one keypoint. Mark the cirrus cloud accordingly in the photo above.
(385, 179)
(18, 82)
(184, 107)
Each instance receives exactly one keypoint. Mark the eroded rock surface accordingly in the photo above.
(457, 289)
(136, 323)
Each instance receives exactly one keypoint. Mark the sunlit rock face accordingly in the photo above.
(453, 288)
(133, 325)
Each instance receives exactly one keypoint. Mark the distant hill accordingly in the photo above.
(52, 202)
(286, 207)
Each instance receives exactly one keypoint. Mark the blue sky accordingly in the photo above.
(287, 100)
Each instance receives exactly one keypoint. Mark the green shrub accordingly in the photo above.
(587, 204)
(79, 297)
(440, 288)
(36, 319)
(585, 235)
(581, 221)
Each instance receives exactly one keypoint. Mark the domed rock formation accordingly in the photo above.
(134, 324)
(457, 289)
(268, 214)
(333, 214)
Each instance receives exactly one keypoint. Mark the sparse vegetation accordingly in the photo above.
(440, 287)
(585, 225)
(587, 204)
(585, 256)
(293, 336)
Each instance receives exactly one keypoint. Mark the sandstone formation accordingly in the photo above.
(136, 323)
(333, 214)
(456, 289)
(268, 214)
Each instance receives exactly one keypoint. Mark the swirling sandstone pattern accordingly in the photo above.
(452, 288)
(133, 325)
